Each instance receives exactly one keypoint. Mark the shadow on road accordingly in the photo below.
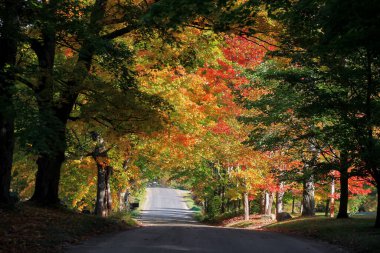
(167, 216)
(200, 238)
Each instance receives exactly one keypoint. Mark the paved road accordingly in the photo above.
(165, 206)
(169, 227)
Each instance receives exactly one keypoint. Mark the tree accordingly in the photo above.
(9, 40)
(343, 61)
(90, 30)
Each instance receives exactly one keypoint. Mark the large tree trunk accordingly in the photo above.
(308, 201)
(50, 163)
(47, 178)
(8, 51)
(52, 129)
(343, 203)
(103, 206)
(246, 206)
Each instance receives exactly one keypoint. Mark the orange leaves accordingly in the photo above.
(69, 53)
(103, 161)
(184, 139)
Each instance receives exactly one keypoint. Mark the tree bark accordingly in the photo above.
(293, 204)
(308, 201)
(246, 206)
(8, 52)
(327, 207)
(262, 203)
(103, 206)
(50, 163)
(343, 203)
(47, 178)
(268, 203)
(377, 221)
(279, 198)
(332, 199)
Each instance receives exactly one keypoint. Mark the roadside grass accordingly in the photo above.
(241, 224)
(190, 203)
(357, 234)
(28, 228)
(140, 198)
(198, 214)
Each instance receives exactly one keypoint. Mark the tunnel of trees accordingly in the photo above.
(249, 104)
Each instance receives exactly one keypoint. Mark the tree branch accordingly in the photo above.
(119, 32)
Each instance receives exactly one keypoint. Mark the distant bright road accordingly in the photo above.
(165, 206)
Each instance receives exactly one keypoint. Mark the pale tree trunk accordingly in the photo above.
(246, 206)
(121, 196)
(268, 203)
(262, 203)
(308, 201)
(332, 199)
(279, 198)
(123, 199)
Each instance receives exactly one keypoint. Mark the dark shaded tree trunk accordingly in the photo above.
(50, 163)
(47, 179)
(308, 201)
(8, 50)
(222, 197)
(343, 203)
(293, 204)
(327, 207)
(377, 221)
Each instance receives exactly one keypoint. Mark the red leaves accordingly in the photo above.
(357, 186)
(221, 127)
(183, 139)
(244, 52)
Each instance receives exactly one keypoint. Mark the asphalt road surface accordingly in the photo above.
(170, 227)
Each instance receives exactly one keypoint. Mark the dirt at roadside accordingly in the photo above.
(27, 228)
(255, 221)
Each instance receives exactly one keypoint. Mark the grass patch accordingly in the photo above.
(28, 228)
(198, 214)
(355, 234)
(125, 217)
(191, 204)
